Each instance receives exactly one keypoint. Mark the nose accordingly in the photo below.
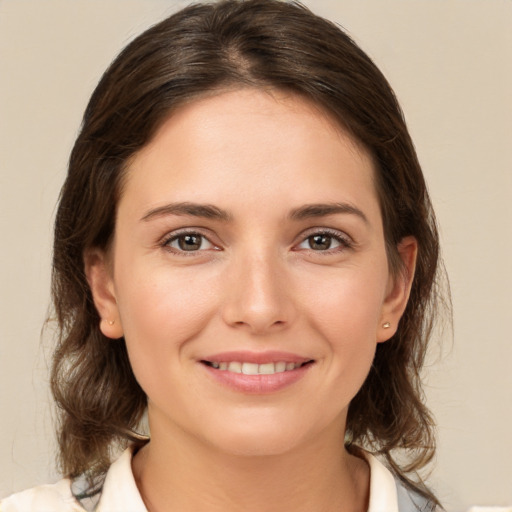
(259, 297)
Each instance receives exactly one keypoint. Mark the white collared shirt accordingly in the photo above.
(120, 493)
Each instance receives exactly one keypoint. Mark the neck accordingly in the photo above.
(175, 474)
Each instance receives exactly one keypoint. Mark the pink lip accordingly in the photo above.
(257, 384)
(256, 357)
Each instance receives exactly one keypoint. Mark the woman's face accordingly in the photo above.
(248, 273)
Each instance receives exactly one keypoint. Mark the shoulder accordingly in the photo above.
(114, 491)
(388, 494)
(409, 501)
(43, 498)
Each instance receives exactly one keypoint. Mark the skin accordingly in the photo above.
(256, 282)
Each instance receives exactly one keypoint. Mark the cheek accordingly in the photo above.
(348, 305)
(160, 312)
(346, 314)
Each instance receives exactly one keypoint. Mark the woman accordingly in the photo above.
(245, 250)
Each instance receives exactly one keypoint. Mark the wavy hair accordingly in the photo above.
(199, 50)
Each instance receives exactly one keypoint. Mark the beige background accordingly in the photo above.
(450, 62)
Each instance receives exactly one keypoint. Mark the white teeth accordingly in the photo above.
(267, 368)
(254, 368)
(280, 366)
(235, 367)
(250, 368)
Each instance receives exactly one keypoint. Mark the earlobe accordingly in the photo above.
(102, 288)
(399, 289)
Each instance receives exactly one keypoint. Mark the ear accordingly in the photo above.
(101, 283)
(398, 289)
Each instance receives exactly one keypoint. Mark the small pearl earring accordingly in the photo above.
(386, 325)
(111, 322)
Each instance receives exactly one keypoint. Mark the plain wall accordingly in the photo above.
(450, 63)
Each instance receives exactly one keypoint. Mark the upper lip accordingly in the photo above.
(256, 357)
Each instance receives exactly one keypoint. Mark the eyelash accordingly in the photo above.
(175, 236)
(344, 241)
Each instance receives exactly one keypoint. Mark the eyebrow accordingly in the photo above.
(322, 210)
(208, 211)
(205, 211)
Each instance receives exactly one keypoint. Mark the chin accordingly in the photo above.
(264, 438)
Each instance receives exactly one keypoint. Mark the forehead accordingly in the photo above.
(254, 101)
(245, 141)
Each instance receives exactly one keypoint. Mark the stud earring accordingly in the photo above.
(386, 325)
(111, 322)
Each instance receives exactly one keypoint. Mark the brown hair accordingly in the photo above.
(203, 48)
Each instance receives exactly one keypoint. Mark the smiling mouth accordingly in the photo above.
(247, 368)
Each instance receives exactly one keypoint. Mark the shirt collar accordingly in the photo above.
(383, 495)
(120, 490)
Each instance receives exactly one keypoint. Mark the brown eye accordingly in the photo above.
(325, 241)
(189, 242)
(320, 242)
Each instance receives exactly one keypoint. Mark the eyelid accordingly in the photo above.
(342, 237)
(345, 240)
(175, 234)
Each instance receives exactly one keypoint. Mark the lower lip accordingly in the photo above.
(257, 384)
